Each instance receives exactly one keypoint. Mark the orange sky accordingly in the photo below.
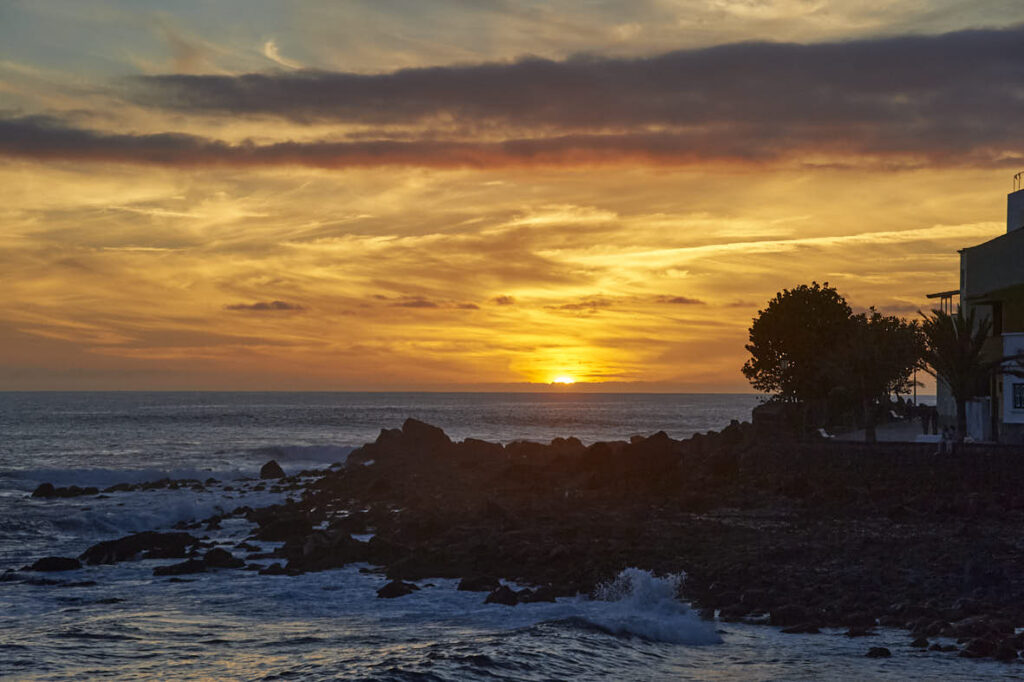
(193, 200)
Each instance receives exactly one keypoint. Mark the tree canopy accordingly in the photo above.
(790, 342)
(807, 346)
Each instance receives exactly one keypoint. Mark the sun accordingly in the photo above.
(563, 380)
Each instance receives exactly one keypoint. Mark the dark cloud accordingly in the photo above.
(467, 306)
(265, 306)
(952, 99)
(950, 94)
(415, 302)
(679, 300)
(45, 138)
(504, 300)
(586, 306)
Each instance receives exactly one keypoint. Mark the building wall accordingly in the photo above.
(1013, 387)
(997, 264)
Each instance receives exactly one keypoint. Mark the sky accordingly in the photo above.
(480, 195)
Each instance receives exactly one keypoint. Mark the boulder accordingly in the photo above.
(184, 568)
(274, 569)
(503, 595)
(45, 490)
(878, 652)
(322, 550)
(979, 647)
(154, 546)
(272, 470)
(396, 588)
(221, 558)
(56, 563)
(284, 528)
(789, 614)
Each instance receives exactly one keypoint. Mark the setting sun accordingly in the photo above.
(563, 380)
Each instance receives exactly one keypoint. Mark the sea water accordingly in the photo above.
(121, 621)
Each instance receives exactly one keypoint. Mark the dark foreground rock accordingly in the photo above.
(56, 563)
(272, 470)
(503, 595)
(804, 535)
(147, 545)
(47, 490)
(396, 588)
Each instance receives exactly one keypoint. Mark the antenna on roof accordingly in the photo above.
(1017, 181)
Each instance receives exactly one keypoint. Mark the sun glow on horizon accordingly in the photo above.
(564, 380)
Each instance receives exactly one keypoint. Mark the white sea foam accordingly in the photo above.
(639, 603)
(316, 455)
(28, 479)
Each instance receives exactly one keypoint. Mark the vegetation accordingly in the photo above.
(954, 353)
(790, 339)
(808, 347)
(877, 360)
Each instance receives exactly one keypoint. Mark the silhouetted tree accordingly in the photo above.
(792, 342)
(876, 359)
(954, 353)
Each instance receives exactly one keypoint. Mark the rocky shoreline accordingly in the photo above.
(802, 535)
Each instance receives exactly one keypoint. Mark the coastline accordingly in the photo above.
(799, 535)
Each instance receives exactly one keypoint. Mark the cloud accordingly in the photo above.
(950, 98)
(504, 300)
(271, 52)
(679, 300)
(416, 302)
(265, 306)
(586, 306)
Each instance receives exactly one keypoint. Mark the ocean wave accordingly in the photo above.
(28, 479)
(638, 603)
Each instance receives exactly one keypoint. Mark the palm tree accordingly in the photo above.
(953, 353)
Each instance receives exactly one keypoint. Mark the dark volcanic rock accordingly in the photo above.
(396, 588)
(878, 652)
(790, 614)
(184, 568)
(503, 595)
(45, 490)
(272, 470)
(221, 558)
(155, 545)
(274, 569)
(322, 550)
(285, 528)
(56, 563)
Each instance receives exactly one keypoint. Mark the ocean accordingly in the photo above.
(122, 622)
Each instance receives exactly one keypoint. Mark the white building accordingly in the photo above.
(992, 280)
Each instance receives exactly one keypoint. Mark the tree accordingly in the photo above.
(876, 359)
(954, 353)
(792, 341)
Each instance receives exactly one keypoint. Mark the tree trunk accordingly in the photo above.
(870, 418)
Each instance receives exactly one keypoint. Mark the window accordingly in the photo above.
(1018, 396)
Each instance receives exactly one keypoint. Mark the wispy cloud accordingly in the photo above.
(265, 307)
